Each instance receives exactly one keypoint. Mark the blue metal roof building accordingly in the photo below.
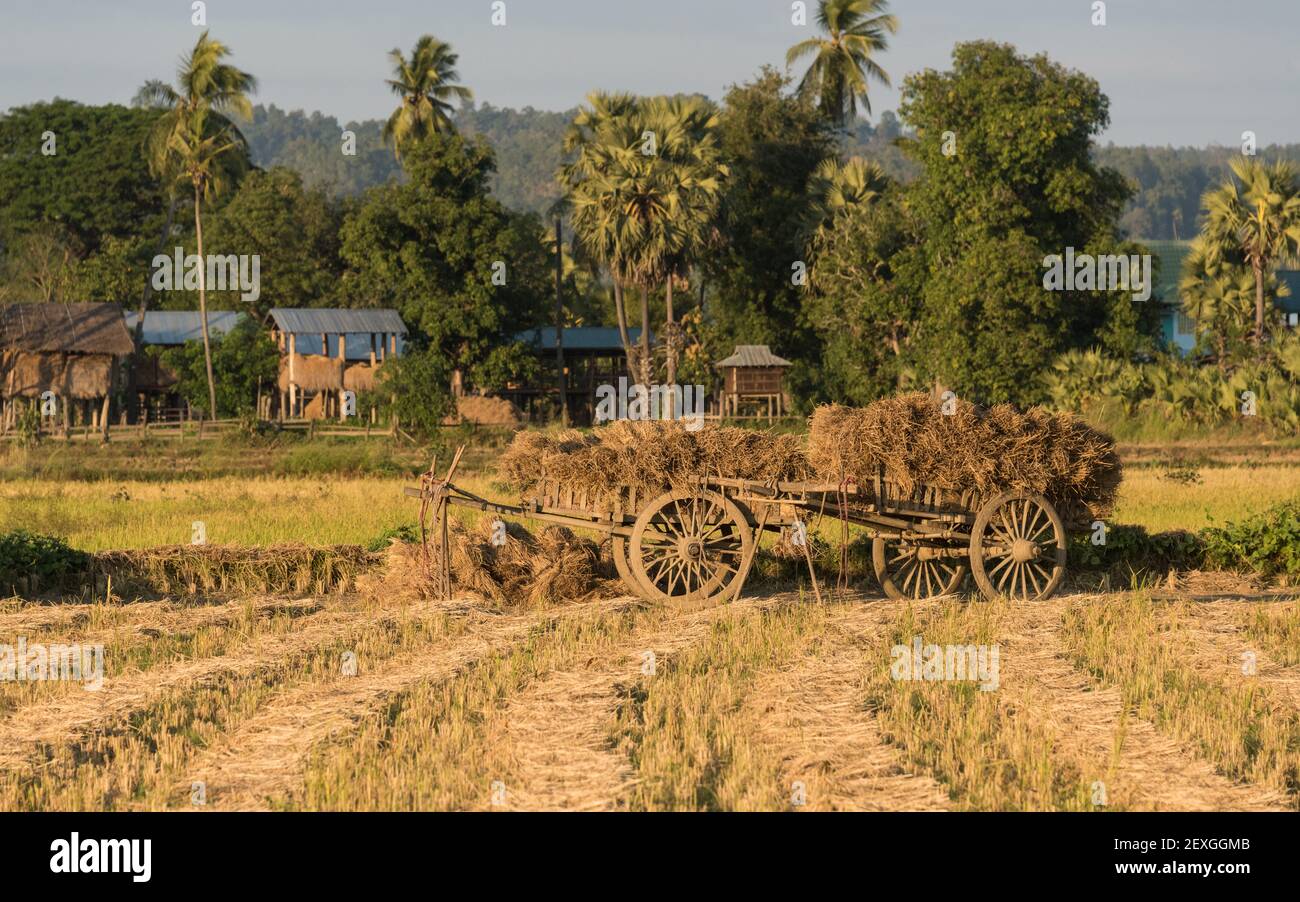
(320, 331)
(175, 327)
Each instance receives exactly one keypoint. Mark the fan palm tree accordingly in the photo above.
(835, 188)
(425, 83)
(842, 62)
(643, 188)
(1257, 215)
(194, 141)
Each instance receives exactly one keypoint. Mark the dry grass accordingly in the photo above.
(1144, 649)
(434, 746)
(202, 569)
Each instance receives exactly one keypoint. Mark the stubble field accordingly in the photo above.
(374, 698)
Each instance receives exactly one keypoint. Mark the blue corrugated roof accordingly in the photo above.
(580, 338)
(336, 321)
(175, 327)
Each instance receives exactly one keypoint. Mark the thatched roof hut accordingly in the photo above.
(68, 349)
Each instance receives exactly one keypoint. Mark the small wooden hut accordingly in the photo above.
(753, 373)
(69, 350)
(324, 351)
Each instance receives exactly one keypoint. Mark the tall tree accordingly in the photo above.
(425, 83)
(465, 273)
(1009, 180)
(772, 141)
(1256, 214)
(195, 141)
(643, 188)
(843, 63)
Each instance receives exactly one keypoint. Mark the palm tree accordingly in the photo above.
(842, 60)
(425, 84)
(835, 188)
(195, 141)
(643, 209)
(1258, 219)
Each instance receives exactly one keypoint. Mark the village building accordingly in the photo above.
(65, 355)
(325, 351)
(1177, 330)
(155, 385)
(753, 374)
(593, 356)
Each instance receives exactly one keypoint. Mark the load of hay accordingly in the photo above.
(651, 456)
(1055, 454)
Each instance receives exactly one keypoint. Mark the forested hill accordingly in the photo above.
(1170, 181)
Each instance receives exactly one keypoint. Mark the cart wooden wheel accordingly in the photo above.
(911, 570)
(620, 548)
(1018, 547)
(691, 549)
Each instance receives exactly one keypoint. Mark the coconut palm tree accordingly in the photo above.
(1257, 215)
(194, 141)
(425, 83)
(842, 62)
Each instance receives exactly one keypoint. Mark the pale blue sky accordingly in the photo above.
(1177, 71)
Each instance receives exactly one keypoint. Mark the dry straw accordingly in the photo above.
(200, 569)
(986, 450)
(527, 570)
(650, 456)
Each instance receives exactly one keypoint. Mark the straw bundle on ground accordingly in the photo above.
(527, 570)
(651, 456)
(312, 372)
(198, 569)
(1055, 454)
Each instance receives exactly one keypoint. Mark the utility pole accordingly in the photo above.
(559, 322)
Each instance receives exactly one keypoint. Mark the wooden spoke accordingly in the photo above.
(690, 549)
(904, 571)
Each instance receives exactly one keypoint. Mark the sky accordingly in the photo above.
(1178, 72)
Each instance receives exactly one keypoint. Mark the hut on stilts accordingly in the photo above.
(326, 351)
(61, 360)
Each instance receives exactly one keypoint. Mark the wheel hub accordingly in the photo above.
(1023, 551)
(691, 549)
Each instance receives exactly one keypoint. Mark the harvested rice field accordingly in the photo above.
(298, 661)
(377, 699)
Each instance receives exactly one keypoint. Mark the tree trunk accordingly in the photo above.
(620, 310)
(559, 323)
(672, 346)
(203, 305)
(647, 375)
(1259, 304)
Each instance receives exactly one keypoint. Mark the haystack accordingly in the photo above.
(312, 372)
(650, 456)
(527, 570)
(86, 376)
(360, 377)
(487, 411)
(1055, 454)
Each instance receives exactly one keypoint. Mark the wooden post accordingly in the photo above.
(293, 386)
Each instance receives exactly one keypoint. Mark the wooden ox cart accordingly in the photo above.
(693, 546)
